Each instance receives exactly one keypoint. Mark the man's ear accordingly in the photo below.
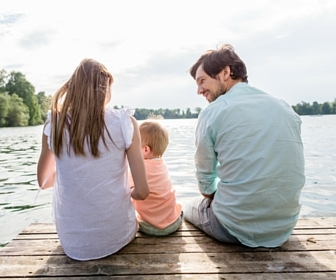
(225, 73)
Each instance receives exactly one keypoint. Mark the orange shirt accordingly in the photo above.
(159, 208)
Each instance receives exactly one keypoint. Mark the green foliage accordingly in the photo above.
(18, 84)
(34, 110)
(198, 110)
(18, 112)
(305, 108)
(3, 79)
(17, 100)
(44, 102)
(4, 105)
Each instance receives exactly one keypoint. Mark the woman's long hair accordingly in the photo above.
(79, 107)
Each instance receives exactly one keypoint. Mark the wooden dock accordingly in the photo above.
(310, 253)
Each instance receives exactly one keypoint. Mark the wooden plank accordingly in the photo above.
(310, 253)
(313, 223)
(314, 231)
(325, 222)
(174, 245)
(40, 228)
(250, 276)
(50, 228)
(147, 264)
(36, 236)
(53, 235)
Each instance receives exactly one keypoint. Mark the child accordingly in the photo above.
(89, 146)
(158, 214)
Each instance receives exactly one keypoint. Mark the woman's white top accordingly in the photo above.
(92, 207)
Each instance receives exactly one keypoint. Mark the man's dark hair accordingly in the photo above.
(214, 61)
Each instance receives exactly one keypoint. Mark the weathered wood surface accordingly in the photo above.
(310, 253)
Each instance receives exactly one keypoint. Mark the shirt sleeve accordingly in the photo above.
(205, 158)
(47, 128)
(127, 126)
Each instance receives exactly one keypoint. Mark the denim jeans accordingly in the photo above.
(199, 213)
(152, 230)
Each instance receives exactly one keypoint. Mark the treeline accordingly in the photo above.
(143, 114)
(316, 108)
(20, 106)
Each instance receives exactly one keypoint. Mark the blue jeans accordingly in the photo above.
(199, 213)
(152, 230)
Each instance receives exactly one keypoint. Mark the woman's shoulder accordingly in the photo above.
(121, 114)
(119, 121)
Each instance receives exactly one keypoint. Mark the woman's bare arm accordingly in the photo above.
(137, 165)
(46, 166)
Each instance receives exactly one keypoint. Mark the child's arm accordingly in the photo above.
(137, 166)
(46, 166)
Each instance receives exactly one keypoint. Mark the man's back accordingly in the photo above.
(256, 139)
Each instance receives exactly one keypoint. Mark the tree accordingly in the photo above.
(188, 113)
(168, 114)
(44, 102)
(303, 109)
(17, 84)
(18, 113)
(4, 105)
(198, 110)
(316, 108)
(3, 80)
(325, 108)
(333, 107)
(34, 110)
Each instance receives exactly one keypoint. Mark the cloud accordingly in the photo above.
(288, 46)
(36, 39)
(293, 59)
(10, 19)
(162, 81)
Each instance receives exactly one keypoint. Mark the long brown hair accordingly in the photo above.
(79, 106)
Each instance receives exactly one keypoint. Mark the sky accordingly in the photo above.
(289, 47)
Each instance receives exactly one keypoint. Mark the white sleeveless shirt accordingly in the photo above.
(92, 207)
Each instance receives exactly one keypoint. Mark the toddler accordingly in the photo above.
(158, 214)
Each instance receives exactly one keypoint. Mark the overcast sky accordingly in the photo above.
(289, 47)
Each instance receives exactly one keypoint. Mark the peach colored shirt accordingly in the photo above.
(159, 208)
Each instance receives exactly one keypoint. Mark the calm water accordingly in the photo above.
(20, 148)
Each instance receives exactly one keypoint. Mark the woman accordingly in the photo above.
(86, 148)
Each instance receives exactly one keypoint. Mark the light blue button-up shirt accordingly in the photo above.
(249, 151)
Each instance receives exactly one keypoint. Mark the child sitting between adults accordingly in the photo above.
(159, 214)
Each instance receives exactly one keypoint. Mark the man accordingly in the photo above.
(249, 157)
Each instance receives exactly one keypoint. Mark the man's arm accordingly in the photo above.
(205, 160)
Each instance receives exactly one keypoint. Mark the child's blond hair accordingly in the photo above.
(155, 136)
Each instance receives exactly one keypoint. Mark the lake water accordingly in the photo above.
(20, 148)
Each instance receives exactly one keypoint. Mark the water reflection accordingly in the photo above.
(20, 147)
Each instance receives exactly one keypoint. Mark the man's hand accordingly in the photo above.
(210, 196)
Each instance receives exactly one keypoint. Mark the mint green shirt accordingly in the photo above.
(249, 151)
